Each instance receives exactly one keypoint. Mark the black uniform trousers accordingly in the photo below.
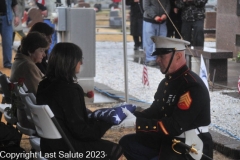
(134, 150)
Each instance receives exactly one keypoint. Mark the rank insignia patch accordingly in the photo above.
(185, 101)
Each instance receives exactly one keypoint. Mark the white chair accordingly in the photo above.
(46, 124)
(33, 137)
(21, 92)
(34, 141)
(7, 97)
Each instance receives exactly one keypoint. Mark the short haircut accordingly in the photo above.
(42, 28)
(63, 61)
(33, 41)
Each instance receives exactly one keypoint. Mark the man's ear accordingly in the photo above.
(178, 55)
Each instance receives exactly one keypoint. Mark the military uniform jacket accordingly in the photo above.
(181, 103)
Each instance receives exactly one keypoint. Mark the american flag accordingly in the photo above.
(203, 72)
(114, 115)
(239, 85)
(145, 76)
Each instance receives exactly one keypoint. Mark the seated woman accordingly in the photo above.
(48, 31)
(60, 90)
(32, 51)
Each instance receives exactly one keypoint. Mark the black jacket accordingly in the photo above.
(192, 10)
(136, 17)
(66, 101)
(181, 103)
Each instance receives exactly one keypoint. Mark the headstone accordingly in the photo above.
(227, 27)
(114, 13)
(115, 20)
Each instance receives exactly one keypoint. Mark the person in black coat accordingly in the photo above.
(175, 15)
(60, 90)
(181, 104)
(136, 22)
(193, 15)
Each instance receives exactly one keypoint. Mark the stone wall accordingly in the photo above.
(227, 26)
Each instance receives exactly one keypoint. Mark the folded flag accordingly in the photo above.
(113, 115)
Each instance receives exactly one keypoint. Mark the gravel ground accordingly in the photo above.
(225, 110)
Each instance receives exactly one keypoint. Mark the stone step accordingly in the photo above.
(111, 33)
(226, 145)
(105, 26)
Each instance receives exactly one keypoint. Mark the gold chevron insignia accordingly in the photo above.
(185, 101)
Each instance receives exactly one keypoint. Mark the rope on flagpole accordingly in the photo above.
(174, 26)
(170, 19)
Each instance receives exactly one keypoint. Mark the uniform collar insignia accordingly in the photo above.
(177, 74)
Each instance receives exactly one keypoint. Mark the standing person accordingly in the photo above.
(43, 17)
(175, 15)
(47, 20)
(193, 14)
(59, 89)
(154, 24)
(181, 104)
(20, 12)
(136, 21)
(48, 32)
(7, 8)
(41, 5)
(116, 3)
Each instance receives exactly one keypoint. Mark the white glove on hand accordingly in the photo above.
(130, 120)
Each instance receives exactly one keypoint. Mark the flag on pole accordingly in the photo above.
(203, 72)
(239, 85)
(145, 76)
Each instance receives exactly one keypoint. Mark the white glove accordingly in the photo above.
(130, 120)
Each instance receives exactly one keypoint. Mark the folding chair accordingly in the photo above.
(46, 124)
(34, 141)
(33, 137)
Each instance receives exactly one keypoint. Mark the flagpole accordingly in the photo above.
(125, 48)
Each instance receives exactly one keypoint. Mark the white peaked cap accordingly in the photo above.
(166, 45)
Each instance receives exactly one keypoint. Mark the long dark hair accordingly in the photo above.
(63, 61)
